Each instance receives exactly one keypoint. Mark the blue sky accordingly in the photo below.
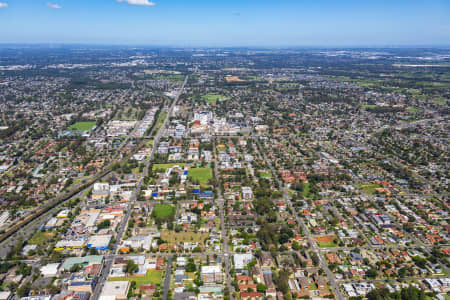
(227, 23)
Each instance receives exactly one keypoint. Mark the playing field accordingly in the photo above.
(182, 236)
(152, 277)
(212, 98)
(200, 174)
(163, 210)
(85, 125)
(325, 241)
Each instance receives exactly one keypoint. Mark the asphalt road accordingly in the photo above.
(223, 226)
(110, 259)
(167, 277)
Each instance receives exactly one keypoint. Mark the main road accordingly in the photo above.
(224, 233)
(113, 252)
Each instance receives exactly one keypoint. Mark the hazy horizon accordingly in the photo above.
(198, 23)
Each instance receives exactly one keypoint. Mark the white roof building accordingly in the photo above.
(116, 289)
(242, 260)
(49, 270)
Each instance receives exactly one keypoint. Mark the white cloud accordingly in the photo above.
(54, 6)
(139, 2)
(3, 5)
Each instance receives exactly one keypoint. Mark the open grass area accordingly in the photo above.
(212, 98)
(368, 106)
(325, 241)
(40, 238)
(165, 166)
(265, 174)
(368, 188)
(413, 109)
(152, 277)
(221, 148)
(175, 77)
(200, 174)
(182, 236)
(163, 210)
(160, 122)
(326, 244)
(85, 125)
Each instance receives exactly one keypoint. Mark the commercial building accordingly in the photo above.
(210, 274)
(117, 289)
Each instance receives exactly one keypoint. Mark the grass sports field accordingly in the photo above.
(163, 210)
(152, 277)
(212, 98)
(85, 125)
(200, 174)
(325, 241)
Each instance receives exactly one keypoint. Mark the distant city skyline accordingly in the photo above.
(227, 23)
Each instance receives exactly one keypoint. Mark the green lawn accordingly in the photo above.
(85, 125)
(165, 166)
(368, 188)
(160, 122)
(366, 106)
(163, 210)
(40, 238)
(326, 244)
(152, 277)
(200, 174)
(413, 109)
(265, 174)
(212, 98)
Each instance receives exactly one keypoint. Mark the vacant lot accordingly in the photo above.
(152, 277)
(183, 236)
(85, 125)
(163, 210)
(200, 174)
(368, 188)
(40, 238)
